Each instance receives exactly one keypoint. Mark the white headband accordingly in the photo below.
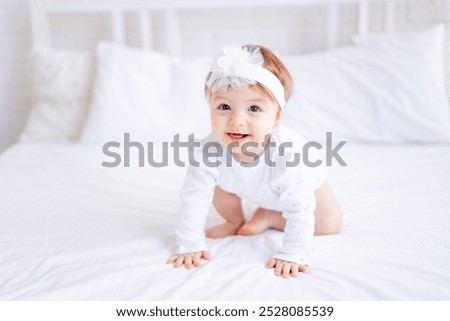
(238, 67)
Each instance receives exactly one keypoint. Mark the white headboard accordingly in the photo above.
(191, 28)
(41, 10)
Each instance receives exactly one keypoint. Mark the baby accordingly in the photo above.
(255, 160)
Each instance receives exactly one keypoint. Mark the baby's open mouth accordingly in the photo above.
(237, 136)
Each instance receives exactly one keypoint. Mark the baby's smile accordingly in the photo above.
(237, 137)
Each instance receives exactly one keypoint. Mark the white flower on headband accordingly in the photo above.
(240, 67)
(233, 59)
(231, 68)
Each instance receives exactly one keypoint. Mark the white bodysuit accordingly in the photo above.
(275, 186)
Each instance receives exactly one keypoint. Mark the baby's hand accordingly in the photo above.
(189, 259)
(286, 268)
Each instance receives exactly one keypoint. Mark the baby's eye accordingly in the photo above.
(224, 107)
(254, 109)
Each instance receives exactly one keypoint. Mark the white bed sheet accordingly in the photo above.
(73, 230)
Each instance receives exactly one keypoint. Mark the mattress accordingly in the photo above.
(72, 229)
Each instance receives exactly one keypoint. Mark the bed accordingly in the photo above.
(72, 229)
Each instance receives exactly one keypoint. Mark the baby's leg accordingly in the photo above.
(230, 208)
(328, 218)
(327, 214)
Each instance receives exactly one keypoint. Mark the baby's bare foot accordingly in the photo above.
(261, 221)
(223, 230)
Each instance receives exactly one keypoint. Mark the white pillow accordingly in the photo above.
(419, 39)
(147, 94)
(62, 83)
(391, 91)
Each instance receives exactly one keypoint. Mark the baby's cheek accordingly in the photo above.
(216, 124)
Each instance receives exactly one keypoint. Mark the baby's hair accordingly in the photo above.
(275, 66)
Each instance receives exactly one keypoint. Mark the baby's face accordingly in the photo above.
(243, 115)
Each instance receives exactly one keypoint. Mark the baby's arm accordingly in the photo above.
(298, 204)
(297, 239)
(196, 197)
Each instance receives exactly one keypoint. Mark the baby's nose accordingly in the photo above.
(237, 118)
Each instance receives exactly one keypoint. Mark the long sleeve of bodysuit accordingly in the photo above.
(298, 203)
(196, 198)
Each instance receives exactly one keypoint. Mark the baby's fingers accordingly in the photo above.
(303, 269)
(206, 255)
(279, 267)
(196, 259)
(188, 261)
(179, 262)
(286, 269)
(294, 270)
(172, 259)
(272, 262)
